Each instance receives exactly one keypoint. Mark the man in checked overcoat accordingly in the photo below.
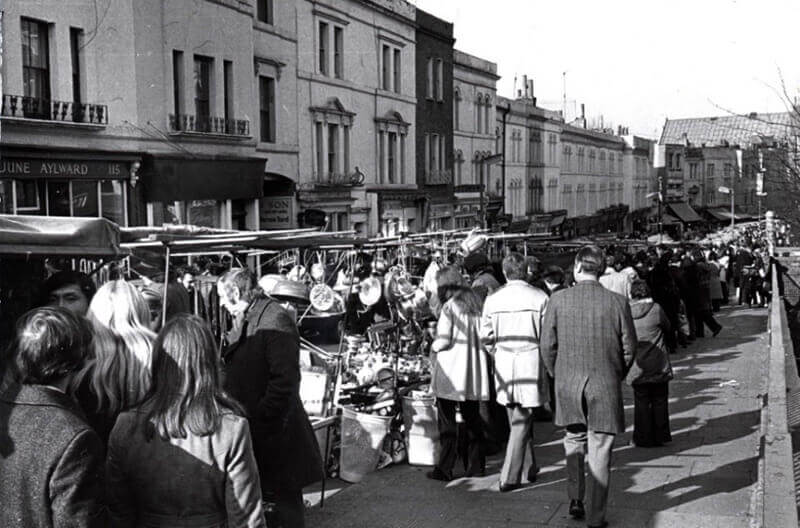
(588, 344)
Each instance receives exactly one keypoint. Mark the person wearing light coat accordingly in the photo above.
(460, 374)
(510, 329)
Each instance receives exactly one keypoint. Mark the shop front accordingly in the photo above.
(68, 183)
(278, 207)
(208, 192)
(398, 212)
(440, 216)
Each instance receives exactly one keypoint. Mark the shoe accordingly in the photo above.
(717, 331)
(603, 524)
(505, 488)
(576, 510)
(532, 472)
(438, 474)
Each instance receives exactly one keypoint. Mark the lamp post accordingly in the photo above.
(658, 195)
(729, 190)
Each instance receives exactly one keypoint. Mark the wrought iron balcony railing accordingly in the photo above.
(436, 177)
(208, 125)
(45, 110)
(339, 179)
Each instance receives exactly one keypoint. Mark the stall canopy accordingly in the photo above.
(684, 212)
(723, 214)
(58, 235)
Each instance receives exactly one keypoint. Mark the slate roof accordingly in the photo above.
(735, 129)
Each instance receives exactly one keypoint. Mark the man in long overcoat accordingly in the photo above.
(588, 344)
(262, 371)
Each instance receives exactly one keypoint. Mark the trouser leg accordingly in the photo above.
(708, 318)
(447, 435)
(642, 416)
(600, 446)
(699, 328)
(289, 508)
(521, 419)
(476, 462)
(659, 394)
(575, 452)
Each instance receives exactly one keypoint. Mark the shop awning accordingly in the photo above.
(59, 235)
(168, 179)
(723, 214)
(684, 212)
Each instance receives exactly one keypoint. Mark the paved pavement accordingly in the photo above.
(704, 478)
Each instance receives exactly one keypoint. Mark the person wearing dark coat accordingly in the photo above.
(588, 344)
(262, 372)
(51, 460)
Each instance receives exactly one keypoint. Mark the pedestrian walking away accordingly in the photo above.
(588, 344)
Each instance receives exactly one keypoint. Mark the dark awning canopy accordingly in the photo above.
(723, 214)
(59, 235)
(168, 179)
(684, 212)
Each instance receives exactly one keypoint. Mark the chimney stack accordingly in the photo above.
(583, 111)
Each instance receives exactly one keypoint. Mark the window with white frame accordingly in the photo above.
(438, 80)
(43, 197)
(552, 146)
(429, 76)
(391, 139)
(331, 124)
(479, 113)
(330, 48)
(487, 119)
(457, 109)
(391, 72)
(459, 166)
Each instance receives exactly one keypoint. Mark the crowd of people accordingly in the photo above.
(538, 340)
(108, 418)
(113, 413)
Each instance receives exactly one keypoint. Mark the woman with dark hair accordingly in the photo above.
(51, 460)
(460, 373)
(183, 457)
(651, 370)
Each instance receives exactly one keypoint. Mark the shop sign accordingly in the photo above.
(277, 212)
(441, 211)
(24, 168)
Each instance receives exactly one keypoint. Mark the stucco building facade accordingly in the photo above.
(356, 92)
(475, 164)
(148, 119)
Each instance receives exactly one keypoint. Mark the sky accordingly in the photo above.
(636, 62)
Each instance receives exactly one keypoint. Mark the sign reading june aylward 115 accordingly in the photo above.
(61, 169)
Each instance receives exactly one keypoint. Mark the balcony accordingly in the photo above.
(24, 107)
(443, 177)
(189, 123)
(338, 179)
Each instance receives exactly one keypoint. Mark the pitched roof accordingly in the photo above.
(733, 129)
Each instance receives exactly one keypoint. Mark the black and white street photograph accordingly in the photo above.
(399, 264)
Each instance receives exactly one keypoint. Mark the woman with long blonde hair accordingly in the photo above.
(118, 376)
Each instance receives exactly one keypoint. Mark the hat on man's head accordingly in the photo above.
(475, 262)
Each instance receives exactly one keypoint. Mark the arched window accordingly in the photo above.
(479, 114)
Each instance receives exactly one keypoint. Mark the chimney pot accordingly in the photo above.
(583, 111)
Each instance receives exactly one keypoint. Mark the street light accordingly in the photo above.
(729, 190)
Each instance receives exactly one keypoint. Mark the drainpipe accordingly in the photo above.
(505, 111)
